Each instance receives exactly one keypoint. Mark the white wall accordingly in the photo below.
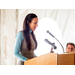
(65, 19)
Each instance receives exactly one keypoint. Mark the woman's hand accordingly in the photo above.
(28, 59)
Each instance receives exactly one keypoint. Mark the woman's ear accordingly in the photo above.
(28, 22)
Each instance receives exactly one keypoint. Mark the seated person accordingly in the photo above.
(70, 47)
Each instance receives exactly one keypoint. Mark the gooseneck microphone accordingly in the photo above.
(52, 44)
(56, 39)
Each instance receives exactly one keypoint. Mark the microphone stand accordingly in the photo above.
(56, 39)
(51, 51)
(60, 44)
(52, 44)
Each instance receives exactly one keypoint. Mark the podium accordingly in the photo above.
(74, 56)
(52, 59)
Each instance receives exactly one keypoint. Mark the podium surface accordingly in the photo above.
(46, 59)
(52, 59)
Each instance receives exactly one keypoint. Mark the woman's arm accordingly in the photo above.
(19, 39)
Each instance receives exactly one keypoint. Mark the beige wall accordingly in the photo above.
(8, 31)
(0, 36)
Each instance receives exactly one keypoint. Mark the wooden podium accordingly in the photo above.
(52, 59)
(74, 56)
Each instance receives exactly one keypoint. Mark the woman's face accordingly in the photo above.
(33, 24)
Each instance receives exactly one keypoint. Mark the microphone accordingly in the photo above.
(56, 39)
(50, 33)
(52, 44)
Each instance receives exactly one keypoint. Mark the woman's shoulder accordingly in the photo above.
(20, 33)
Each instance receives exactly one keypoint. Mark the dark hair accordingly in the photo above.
(70, 44)
(27, 20)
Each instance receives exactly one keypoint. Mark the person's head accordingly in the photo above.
(70, 47)
(30, 22)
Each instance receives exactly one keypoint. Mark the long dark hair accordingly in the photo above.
(27, 20)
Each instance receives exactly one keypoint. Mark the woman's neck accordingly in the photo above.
(30, 30)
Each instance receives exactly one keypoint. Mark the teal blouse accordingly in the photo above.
(19, 38)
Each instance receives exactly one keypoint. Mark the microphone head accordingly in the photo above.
(50, 33)
(55, 47)
(47, 31)
(46, 40)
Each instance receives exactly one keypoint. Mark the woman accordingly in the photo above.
(25, 39)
